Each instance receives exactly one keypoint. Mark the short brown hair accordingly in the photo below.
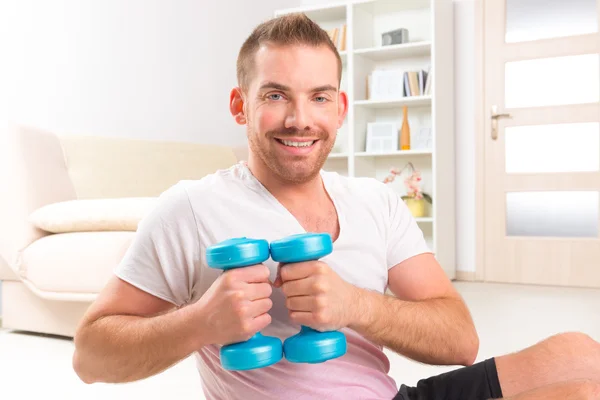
(288, 29)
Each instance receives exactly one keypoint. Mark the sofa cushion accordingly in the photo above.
(92, 215)
(80, 262)
(105, 167)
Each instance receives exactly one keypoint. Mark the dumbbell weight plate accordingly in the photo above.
(301, 247)
(237, 253)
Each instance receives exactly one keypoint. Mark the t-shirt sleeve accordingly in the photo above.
(162, 257)
(404, 237)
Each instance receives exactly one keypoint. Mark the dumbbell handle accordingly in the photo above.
(259, 351)
(309, 345)
(301, 248)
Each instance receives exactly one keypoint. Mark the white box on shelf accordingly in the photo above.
(385, 84)
(381, 137)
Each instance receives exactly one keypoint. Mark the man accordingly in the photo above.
(165, 303)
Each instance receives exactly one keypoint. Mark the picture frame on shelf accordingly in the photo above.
(385, 84)
(382, 137)
(421, 138)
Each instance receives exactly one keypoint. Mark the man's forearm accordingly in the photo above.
(120, 348)
(434, 331)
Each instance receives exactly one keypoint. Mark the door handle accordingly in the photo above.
(495, 117)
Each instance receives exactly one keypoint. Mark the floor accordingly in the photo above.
(508, 318)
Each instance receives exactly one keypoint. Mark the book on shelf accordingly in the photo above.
(393, 83)
(417, 83)
(428, 83)
(338, 36)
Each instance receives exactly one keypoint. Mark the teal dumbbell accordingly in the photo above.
(259, 351)
(309, 345)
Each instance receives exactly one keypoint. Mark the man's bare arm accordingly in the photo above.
(132, 340)
(427, 321)
(128, 334)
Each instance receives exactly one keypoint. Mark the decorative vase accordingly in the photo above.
(405, 131)
(417, 207)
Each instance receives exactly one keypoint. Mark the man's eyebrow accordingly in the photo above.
(324, 88)
(274, 85)
(284, 88)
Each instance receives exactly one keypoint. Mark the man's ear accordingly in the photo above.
(342, 107)
(236, 105)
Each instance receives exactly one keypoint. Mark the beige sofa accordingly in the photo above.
(49, 278)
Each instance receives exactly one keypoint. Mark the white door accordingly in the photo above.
(542, 142)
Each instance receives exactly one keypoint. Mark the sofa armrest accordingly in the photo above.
(32, 174)
(7, 273)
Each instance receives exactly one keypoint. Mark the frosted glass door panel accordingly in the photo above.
(552, 81)
(553, 148)
(554, 214)
(544, 19)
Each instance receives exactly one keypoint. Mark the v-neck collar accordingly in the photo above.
(328, 184)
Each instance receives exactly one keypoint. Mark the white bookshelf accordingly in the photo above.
(395, 51)
(392, 153)
(412, 101)
(429, 23)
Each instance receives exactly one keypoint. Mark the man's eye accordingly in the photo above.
(321, 99)
(275, 96)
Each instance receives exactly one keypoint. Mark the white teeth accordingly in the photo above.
(297, 144)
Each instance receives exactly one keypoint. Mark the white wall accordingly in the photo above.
(153, 69)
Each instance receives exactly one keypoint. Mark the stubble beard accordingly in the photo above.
(293, 169)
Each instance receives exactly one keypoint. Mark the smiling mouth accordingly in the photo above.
(291, 143)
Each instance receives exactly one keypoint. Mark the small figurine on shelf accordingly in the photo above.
(415, 199)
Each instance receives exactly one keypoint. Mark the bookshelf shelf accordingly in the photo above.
(392, 52)
(325, 12)
(414, 101)
(389, 6)
(403, 153)
(429, 49)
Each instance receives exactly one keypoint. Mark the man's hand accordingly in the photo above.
(316, 296)
(235, 307)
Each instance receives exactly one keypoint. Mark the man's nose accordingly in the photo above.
(299, 117)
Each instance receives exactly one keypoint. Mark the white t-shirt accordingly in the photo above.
(167, 259)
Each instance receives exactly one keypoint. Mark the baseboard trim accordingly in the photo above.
(469, 276)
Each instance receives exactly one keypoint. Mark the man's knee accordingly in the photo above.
(575, 341)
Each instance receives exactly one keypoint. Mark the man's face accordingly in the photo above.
(293, 109)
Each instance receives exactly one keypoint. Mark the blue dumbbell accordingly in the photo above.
(309, 345)
(259, 351)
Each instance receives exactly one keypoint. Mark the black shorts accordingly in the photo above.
(476, 382)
